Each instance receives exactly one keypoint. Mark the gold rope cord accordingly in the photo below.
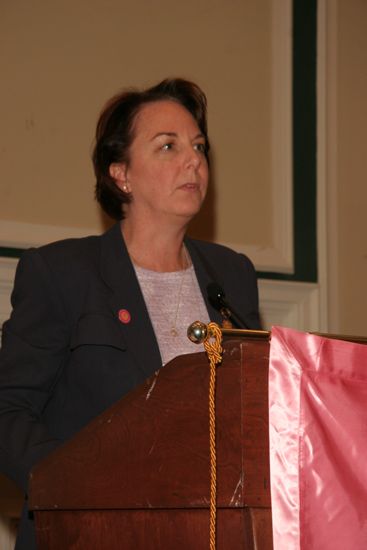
(213, 348)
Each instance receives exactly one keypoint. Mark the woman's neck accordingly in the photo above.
(156, 249)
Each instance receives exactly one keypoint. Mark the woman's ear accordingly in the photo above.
(118, 171)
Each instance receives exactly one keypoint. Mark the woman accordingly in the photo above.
(94, 317)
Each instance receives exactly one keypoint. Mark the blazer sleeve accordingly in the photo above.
(35, 345)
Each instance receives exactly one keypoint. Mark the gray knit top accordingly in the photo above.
(174, 301)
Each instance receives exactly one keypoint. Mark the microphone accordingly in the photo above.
(216, 297)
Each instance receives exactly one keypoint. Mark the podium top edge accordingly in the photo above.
(246, 333)
(266, 335)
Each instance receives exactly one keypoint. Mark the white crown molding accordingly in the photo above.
(264, 258)
(286, 303)
(290, 304)
(327, 154)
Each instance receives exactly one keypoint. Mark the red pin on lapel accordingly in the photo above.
(124, 316)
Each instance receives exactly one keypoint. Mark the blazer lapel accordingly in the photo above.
(127, 302)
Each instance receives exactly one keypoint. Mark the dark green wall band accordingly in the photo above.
(6, 252)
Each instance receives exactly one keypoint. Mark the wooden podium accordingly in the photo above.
(138, 476)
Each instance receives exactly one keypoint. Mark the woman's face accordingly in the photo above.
(167, 174)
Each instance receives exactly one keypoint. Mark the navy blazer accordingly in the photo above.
(65, 355)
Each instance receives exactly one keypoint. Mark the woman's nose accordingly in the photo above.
(193, 158)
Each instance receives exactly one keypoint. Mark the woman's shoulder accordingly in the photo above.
(63, 254)
(73, 247)
(74, 259)
(65, 268)
(72, 251)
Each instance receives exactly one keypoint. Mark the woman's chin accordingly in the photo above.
(190, 212)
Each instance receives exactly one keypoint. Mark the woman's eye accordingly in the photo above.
(167, 146)
(200, 147)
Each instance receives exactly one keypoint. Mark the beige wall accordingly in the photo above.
(62, 60)
(347, 160)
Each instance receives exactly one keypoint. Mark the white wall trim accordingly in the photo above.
(24, 235)
(287, 303)
(279, 257)
(7, 272)
(268, 259)
(322, 208)
(7, 534)
(327, 162)
(290, 304)
(282, 136)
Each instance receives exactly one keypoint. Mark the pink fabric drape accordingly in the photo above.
(318, 442)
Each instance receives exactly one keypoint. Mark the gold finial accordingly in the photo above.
(197, 332)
